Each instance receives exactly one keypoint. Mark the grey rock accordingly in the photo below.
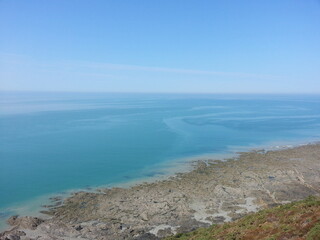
(147, 236)
(25, 222)
(215, 191)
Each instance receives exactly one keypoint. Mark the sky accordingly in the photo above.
(183, 46)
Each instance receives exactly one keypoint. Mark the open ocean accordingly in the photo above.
(51, 143)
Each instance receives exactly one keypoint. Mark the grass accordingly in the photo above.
(298, 220)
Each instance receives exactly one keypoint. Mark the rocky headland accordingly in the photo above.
(213, 192)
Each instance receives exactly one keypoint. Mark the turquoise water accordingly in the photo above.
(53, 142)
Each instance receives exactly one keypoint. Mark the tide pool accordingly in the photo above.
(51, 143)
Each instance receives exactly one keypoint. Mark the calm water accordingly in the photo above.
(52, 142)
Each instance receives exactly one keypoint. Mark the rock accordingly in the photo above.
(12, 234)
(46, 212)
(12, 220)
(19, 233)
(25, 222)
(12, 237)
(144, 216)
(78, 227)
(147, 236)
(164, 232)
(55, 199)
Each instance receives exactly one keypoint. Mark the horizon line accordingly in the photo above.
(160, 92)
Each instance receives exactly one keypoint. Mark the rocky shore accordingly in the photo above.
(214, 192)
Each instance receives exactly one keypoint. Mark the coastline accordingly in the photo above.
(162, 171)
(228, 189)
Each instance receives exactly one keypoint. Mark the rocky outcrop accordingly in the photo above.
(214, 192)
(12, 234)
(25, 222)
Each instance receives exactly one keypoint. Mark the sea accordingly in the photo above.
(55, 143)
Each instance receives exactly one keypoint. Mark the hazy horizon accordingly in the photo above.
(169, 93)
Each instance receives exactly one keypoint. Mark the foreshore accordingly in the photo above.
(213, 192)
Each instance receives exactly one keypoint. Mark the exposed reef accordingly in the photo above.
(213, 192)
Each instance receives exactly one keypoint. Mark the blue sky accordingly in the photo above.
(160, 46)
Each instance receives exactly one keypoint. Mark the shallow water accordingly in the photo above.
(54, 142)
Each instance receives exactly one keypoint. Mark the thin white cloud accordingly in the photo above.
(66, 65)
(111, 66)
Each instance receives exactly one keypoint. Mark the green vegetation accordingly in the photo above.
(297, 220)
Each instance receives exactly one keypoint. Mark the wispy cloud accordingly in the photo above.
(103, 69)
(111, 66)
